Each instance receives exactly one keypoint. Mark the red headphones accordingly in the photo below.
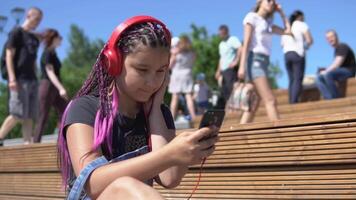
(112, 55)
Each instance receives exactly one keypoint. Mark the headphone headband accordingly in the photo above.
(112, 56)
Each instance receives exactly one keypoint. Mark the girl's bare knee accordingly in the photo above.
(126, 183)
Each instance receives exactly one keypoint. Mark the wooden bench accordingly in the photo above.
(348, 90)
(291, 159)
(310, 158)
(287, 111)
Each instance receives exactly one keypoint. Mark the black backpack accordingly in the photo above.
(3, 63)
(3, 68)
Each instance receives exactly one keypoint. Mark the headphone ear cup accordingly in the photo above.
(112, 62)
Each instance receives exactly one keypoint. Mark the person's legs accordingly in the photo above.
(324, 90)
(8, 124)
(298, 66)
(46, 94)
(265, 92)
(190, 105)
(129, 189)
(229, 78)
(289, 67)
(30, 108)
(27, 130)
(174, 104)
(338, 74)
(60, 105)
(15, 105)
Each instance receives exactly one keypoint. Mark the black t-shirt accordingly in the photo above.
(26, 45)
(345, 51)
(128, 134)
(50, 57)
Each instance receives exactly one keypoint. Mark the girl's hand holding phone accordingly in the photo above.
(190, 148)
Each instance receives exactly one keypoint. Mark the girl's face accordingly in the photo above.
(143, 72)
(57, 42)
(268, 5)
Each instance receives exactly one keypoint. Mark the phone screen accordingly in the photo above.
(212, 117)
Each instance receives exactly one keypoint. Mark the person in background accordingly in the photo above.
(256, 51)
(202, 93)
(342, 67)
(181, 82)
(51, 90)
(21, 54)
(229, 51)
(294, 48)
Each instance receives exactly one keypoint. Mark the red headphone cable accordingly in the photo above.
(199, 177)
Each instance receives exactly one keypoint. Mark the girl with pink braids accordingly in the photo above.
(116, 136)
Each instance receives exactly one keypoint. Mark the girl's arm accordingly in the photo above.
(185, 149)
(236, 59)
(160, 136)
(309, 38)
(172, 60)
(244, 52)
(278, 30)
(54, 79)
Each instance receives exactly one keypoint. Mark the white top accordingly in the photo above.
(202, 91)
(227, 51)
(296, 43)
(261, 41)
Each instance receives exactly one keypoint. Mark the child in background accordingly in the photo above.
(202, 93)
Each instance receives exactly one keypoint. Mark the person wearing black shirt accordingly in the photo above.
(342, 68)
(51, 90)
(21, 54)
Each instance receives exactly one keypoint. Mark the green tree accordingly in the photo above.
(82, 52)
(206, 48)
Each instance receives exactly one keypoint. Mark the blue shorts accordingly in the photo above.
(257, 66)
(76, 188)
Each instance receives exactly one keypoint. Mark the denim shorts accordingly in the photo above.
(257, 66)
(77, 191)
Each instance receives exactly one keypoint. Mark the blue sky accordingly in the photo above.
(98, 18)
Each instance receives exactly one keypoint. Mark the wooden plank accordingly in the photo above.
(16, 197)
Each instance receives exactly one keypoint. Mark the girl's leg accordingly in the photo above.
(46, 93)
(298, 75)
(174, 105)
(129, 189)
(265, 92)
(190, 104)
(289, 67)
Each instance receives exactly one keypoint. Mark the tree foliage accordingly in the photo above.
(82, 51)
(206, 48)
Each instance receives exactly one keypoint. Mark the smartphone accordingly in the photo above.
(212, 117)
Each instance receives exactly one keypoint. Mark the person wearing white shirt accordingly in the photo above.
(256, 50)
(294, 48)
